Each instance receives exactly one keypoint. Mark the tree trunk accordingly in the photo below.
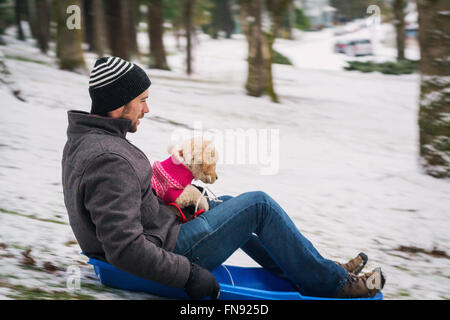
(155, 33)
(98, 27)
(32, 17)
(130, 27)
(261, 21)
(252, 25)
(276, 12)
(87, 23)
(69, 41)
(177, 33)
(43, 10)
(39, 21)
(399, 23)
(117, 28)
(227, 24)
(189, 9)
(18, 9)
(434, 102)
(290, 20)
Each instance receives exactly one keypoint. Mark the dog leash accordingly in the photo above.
(215, 199)
(182, 217)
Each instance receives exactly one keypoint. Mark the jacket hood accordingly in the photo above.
(81, 122)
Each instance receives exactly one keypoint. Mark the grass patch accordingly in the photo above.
(280, 58)
(25, 59)
(31, 216)
(396, 68)
(27, 293)
(402, 268)
(403, 293)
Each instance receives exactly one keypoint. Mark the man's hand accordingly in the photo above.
(201, 283)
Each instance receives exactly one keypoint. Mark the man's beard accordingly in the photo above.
(133, 127)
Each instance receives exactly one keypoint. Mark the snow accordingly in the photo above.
(434, 96)
(348, 169)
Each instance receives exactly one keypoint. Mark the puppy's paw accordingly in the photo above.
(188, 197)
(203, 204)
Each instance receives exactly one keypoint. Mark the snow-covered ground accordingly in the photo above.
(346, 170)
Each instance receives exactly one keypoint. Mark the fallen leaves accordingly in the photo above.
(435, 252)
(27, 259)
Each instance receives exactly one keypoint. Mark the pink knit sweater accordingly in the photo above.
(169, 179)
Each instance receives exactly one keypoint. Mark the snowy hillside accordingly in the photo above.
(347, 170)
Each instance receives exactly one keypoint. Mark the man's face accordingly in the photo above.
(133, 110)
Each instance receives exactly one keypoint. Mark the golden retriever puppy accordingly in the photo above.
(192, 159)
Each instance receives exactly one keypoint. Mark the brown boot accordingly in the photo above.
(363, 286)
(356, 264)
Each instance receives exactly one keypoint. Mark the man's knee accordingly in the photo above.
(225, 197)
(260, 196)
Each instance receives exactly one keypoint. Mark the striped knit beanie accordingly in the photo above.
(114, 82)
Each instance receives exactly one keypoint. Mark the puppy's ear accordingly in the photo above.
(175, 149)
(210, 155)
(176, 152)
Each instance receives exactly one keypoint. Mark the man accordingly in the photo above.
(106, 180)
(117, 218)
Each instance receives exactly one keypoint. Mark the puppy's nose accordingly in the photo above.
(217, 177)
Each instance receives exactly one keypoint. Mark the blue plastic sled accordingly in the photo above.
(236, 283)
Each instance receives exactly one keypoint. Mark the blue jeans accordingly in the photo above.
(256, 223)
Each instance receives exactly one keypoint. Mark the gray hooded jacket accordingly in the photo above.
(112, 209)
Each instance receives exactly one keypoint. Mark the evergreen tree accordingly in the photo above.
(434, 105)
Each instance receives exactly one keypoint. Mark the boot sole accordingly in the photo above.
(363, 264)
(376, 281)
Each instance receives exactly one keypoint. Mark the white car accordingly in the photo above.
(358, 48)
(339, 46)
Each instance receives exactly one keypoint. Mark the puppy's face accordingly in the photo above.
(199, 156)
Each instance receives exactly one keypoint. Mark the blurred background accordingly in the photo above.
(357, 89)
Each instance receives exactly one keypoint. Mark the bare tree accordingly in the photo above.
(399, 23)
(18, 6)
(131, 22)
(69, 40)
(227, 18)
(189, 11)
(98, 27)
(39, 21)
(252, 12)
(434, 102)
(117, 23)
(221, 18)
(94, 21)
(32, 17)
(261, 20)
(155, 33)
